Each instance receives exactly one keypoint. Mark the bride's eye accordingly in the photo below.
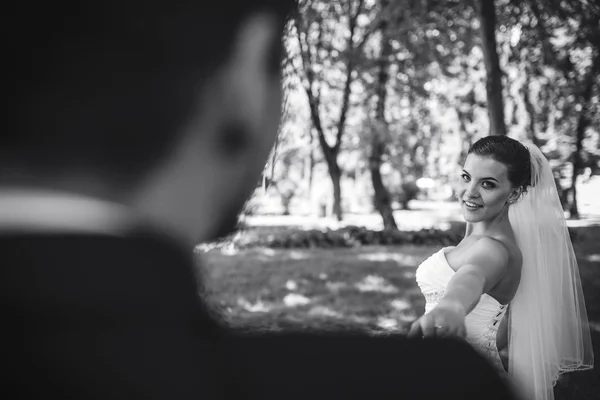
(488, 185)
(465, 177)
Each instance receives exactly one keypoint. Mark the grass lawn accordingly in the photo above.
(371, 288)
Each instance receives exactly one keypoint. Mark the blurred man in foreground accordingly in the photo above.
(139, 129)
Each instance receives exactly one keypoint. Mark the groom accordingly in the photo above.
(137, 130)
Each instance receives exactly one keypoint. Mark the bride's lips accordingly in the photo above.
(471, 206)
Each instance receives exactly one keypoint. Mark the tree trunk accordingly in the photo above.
(286, 202)
(335, 173)
(495, 103)
(404, 204)
(381, 199)
(311, 165)
(562, 194)
(466, 143)
(582, 124)
(573, 207)
(531, 111)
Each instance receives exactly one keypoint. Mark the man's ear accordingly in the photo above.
(252, 87)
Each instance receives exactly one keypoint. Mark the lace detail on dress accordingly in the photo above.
(434, 297)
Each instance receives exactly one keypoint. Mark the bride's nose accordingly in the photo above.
(472, 191)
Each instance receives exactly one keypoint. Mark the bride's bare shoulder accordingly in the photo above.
(482, 249)
(509, 243)
(489, 245)
(504, 244)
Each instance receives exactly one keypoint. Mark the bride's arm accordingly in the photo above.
(485, 266)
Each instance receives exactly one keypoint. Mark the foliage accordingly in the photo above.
(435, 97)
(551, 54)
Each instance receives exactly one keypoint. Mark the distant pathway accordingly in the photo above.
(422, 215)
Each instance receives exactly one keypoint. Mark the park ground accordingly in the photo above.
(370, 287)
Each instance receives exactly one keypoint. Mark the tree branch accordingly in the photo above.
(349, 69)
(549, 53)
(313, 100)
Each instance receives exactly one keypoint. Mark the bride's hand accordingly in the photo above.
(444, 320)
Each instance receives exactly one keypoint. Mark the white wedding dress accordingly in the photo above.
(549, 332)
(482, 323)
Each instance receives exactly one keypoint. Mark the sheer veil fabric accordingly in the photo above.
(548, 327)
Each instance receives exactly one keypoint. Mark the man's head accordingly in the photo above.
(170, 107)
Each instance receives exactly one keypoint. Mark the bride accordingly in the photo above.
(511, 287)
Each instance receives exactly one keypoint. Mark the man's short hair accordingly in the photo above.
(105, 85)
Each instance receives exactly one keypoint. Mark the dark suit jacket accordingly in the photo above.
(99, 317)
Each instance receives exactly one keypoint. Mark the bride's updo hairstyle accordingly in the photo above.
(509, 152)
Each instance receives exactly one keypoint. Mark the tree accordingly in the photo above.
(487, 16)
(379, 131)
(317, 26)
(285, 174)
(556, 45)
(582, 124)
(437, 85)
(287, 179)
(398, 90)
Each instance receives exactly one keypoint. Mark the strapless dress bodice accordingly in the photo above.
(433, 276)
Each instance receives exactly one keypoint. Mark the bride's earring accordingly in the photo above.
(514, 199)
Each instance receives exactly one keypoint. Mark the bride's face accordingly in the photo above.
(483, 188)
